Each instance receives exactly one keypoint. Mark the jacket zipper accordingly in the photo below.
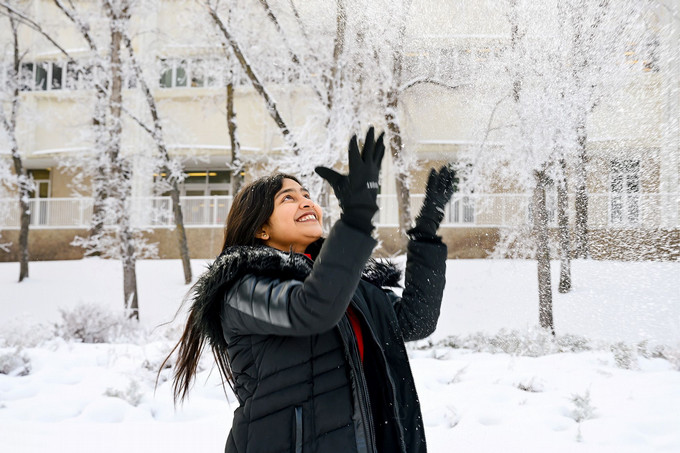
(364, 397)
(389, 377)
(298, 429)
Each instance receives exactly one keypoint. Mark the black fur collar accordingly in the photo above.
(235, 262)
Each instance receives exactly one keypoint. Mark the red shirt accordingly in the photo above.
(356, 325)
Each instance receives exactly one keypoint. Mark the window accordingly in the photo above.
(643, 55)
(41, 76)
(180, 78)
(625, 192)
(57, 75)
(190, 73)
(198, 208)
(39, 204)
(201, 183)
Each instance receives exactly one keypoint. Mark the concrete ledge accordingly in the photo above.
(661, 244)
(43, 244)
(463, 243)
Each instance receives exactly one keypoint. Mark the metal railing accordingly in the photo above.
(605, 210)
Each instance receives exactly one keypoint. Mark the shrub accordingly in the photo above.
(583, 407)
(625, 356)
(132, 394)
(533, 343)
(22, 333)
(14, 363)
(91, 323)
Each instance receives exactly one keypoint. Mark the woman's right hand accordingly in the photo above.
(357, 192)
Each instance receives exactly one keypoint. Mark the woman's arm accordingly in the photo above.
(267, 306)
(418, 307)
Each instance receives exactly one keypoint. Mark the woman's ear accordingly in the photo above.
(262, 234)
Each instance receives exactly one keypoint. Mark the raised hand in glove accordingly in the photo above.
(440, 187)
(357, 192)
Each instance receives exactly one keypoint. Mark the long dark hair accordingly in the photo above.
(250, 209)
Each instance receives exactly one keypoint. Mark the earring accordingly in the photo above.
(265, 236)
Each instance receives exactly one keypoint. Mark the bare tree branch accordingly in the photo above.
(293, 56)
(488, 126)
(254, 79)
(428, 80)
(21, 17)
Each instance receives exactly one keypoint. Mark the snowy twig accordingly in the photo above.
(430, 81)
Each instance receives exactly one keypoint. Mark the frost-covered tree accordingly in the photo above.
(168, 166)
(21, 180)
(347, 55)
(113, 233)
(12, 81)
(135, 70)
(559, 60)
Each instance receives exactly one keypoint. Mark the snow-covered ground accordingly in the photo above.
(610, 393)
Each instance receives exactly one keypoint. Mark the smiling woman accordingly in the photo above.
(296, 220)
(305, 329)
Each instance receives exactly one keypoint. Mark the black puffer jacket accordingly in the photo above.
(298, 375)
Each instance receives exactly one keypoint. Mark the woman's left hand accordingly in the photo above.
(440, 187)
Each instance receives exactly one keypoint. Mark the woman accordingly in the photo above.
(301, 327)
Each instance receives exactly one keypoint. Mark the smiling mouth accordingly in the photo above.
(307, 218)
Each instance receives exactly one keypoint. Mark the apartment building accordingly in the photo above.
(633, 142)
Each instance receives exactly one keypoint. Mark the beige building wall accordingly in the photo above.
(438, 122)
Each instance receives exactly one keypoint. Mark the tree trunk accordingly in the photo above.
(182, 243)
(121, 171)
(24, 182)
(401, 177)
(545, 313)
(129, 261)
(99, 122)
(159, 140)
(236, 165)
(581, 200)
(563, 223)
(23, 236)
(100, 177)
(392, 98)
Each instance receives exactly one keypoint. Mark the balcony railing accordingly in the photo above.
(605, 210)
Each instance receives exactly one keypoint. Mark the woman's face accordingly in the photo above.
(295, 222)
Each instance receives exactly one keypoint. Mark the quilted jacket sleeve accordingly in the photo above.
(269, 306)
(418, 307)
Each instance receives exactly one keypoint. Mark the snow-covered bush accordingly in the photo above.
(583, 407)
(91, 323)
(22, 333)
(14, 362)
(533, 385)
(625, 356)
(132, 394)
(533, 343)
(667, 353)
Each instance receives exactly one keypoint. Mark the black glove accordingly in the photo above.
(357, 191)
(440, 187)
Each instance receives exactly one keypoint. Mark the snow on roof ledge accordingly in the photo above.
(454, 142)
(58, 151)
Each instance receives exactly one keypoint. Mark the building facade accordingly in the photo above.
(633, 142)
